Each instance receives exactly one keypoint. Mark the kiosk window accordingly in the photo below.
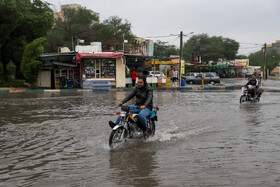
(100, 68)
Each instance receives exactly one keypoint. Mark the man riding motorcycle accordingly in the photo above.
(144, 99)
(254, 86)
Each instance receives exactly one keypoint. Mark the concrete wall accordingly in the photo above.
(120, 73)
(44, 79)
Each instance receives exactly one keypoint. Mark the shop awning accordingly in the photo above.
(97, 55)
(164, 62)
(46, 64)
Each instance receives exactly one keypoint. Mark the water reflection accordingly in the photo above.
(128, 168)
(251, 113)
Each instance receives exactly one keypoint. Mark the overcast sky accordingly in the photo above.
(250, 22)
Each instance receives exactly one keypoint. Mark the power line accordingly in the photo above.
(175, 40)
(250, 43)
(249, 47)
(170, 35)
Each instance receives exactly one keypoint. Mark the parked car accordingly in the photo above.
(192, 74)
(196, 78)
(155, 74)
(214, 73)
(249, 74)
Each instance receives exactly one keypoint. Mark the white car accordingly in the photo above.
(155, 74)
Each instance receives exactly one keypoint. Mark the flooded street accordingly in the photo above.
(202, 139)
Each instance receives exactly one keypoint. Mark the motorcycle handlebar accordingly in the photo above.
(127, 108)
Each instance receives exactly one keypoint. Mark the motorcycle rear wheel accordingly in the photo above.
(243, 99)
(151, 128)
(117, 137)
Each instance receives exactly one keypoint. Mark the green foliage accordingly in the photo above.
(112, 31)
(30, 66)
(10, 68)
(211, 48)
(1, 70)
(164, 50)
(11, 83)
(75, 24)
(21, 22)
(257, 59)
(242, 57)
(82, 24)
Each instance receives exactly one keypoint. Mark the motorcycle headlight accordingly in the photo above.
(122, 113)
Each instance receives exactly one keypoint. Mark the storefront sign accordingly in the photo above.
(241, 62)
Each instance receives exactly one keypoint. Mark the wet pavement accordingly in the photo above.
(202, 138)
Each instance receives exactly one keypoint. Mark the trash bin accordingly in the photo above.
(183, 83)
(69, 84)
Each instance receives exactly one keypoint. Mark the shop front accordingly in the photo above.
(102, 70)
(60, 71)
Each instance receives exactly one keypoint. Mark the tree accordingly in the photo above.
(257, 59)
(112, 31)
(162, 49)
(30, 65)
(74, 24)
(21, 22)
(242, 57)
(210, 48)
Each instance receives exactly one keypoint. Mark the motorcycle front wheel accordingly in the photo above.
(117, 137)
(242, 99)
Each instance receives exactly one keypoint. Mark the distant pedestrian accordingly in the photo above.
(133, 77)
(174, 77)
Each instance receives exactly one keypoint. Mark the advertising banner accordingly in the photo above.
(182, 67)
(241, 62)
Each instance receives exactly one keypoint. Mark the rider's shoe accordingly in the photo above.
(112, 124)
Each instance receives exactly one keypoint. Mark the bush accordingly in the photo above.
(12, 83)
(30, 65)
(10, 69)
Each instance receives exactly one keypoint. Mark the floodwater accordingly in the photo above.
(202, 139)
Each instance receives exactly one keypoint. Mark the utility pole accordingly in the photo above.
(181, 54)
(264, 68)
(181, 57)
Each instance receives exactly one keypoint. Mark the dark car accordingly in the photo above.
(196, 78)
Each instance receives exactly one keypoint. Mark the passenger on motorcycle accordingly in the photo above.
(144, 99)
(254, 83)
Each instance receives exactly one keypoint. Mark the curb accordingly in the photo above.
(29, 91)
(186, 88)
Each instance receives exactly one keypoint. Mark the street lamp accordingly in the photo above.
(80, 41)
(124, 41)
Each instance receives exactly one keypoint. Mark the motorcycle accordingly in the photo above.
(130, 127)
(247, 97)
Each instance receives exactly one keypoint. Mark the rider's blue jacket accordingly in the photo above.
(144, 96)
(253, 82)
